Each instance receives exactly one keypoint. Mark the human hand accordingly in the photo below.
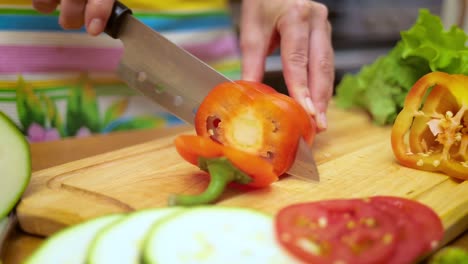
(76, 13)
(302, 30)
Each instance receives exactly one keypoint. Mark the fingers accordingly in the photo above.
(294, 27)
(45, 6)
(254, 43)
(321, 64)
(72, 14)
(76, 13)
(96, 15)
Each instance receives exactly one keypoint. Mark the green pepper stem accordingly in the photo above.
(222, 172)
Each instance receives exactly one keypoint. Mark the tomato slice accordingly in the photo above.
(408, 231)
(336, 231)
(431, 230)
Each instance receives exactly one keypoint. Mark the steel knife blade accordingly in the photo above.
(174, 78)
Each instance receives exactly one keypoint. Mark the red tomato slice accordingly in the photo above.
(336, 231)
(430, 227)
(408, 246)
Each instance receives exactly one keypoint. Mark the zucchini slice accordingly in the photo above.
(121, 241)
(214, 235)
(15, 164)
(71, 244)
(3, 224)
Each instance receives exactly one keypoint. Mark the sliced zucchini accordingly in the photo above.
(3, 224)
(214, 235)
(71, 244)
(121, 242)
(15, 164)
(3, 230)
(6, 226)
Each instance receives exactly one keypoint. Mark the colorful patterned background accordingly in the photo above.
(56, 84)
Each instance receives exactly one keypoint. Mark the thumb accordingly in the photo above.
(96, 15)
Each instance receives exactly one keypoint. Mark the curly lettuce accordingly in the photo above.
(381, 87)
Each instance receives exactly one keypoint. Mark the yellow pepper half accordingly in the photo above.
(431, 131)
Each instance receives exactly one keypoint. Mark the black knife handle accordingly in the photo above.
(119, 11)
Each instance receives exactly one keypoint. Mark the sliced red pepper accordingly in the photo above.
(224, 165)
(307, 125)
(255, 118)
(247, 133)
(192, 147)
(431, 131)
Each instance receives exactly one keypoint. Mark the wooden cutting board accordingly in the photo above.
(354, 159)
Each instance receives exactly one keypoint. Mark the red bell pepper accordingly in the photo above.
(247, 133)
(257, 119)
(224, 165)
(431, 132)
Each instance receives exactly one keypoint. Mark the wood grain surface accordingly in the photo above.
(354, 159)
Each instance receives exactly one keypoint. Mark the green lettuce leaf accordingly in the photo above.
(381, 87)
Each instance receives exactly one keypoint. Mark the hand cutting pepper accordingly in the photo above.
(435, 122)
(247, 133)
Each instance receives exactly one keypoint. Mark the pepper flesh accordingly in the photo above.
(255, 118)
(224, 165)
(431, 131)
(247, 133)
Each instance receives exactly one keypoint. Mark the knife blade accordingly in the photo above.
(173, 78)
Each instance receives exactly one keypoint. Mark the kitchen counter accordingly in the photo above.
(48, 154)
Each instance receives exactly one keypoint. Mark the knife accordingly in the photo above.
(174, 78)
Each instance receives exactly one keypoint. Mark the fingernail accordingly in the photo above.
(322, 121)
(309, 106)
(95, 26)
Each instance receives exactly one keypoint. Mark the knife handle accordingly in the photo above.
(119, 11)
